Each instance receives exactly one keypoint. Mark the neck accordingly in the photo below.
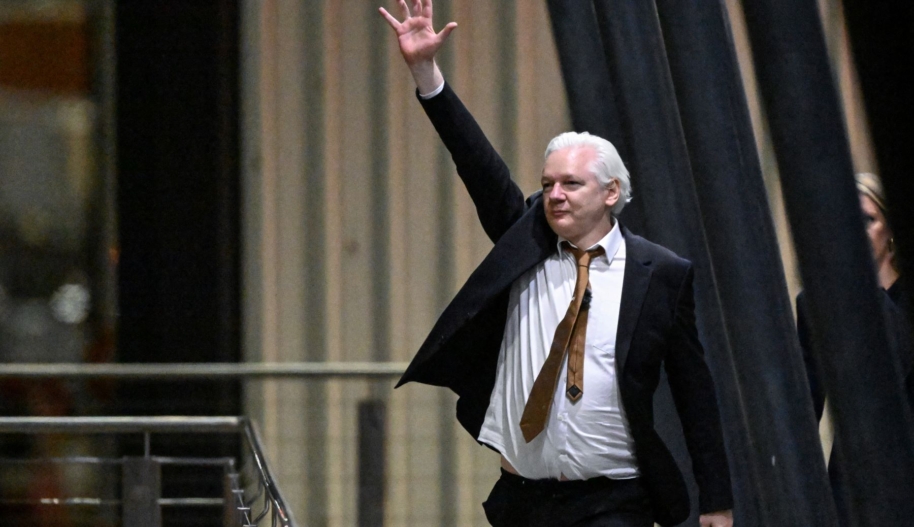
(597, 234)
(886, 274)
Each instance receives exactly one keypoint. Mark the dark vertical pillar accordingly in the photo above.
(102, 226)
(177, 206)
(372, 466)
(882, 40)
(662, 179)
(873, 431)
(587, 84)
(178, 183)
(777, 463)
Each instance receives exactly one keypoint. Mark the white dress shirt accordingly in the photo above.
(583, 439)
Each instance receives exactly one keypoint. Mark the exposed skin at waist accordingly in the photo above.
(508, 468)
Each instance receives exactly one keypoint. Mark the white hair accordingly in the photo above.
(607, 165)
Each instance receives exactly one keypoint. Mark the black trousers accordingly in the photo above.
(598, 502)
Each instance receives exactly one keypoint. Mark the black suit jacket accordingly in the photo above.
(656, 325)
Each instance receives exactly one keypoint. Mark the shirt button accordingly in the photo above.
(563, 457)
(561, 417)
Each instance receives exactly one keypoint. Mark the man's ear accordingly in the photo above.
(614, 193)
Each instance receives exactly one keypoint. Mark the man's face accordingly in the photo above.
(577, 206)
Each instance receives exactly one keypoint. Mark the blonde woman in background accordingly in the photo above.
(872, 203)
(895, 304)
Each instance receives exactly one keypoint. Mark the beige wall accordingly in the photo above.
(357, 231)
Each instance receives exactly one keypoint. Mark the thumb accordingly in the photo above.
(446, 31)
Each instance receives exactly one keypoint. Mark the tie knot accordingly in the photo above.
(583, 257)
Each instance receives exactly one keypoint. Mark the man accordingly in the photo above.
(555, 342)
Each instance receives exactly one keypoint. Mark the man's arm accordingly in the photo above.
(693, 392)
(499, 202)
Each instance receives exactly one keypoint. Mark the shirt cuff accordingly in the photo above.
(433, 93)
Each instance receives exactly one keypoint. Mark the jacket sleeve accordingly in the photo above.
(499, 202)
(694, 395)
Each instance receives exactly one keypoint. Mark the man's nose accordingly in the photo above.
(556, 193)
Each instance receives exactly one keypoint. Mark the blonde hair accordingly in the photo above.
(870, 186)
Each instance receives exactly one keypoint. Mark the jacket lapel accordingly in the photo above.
(634, 288)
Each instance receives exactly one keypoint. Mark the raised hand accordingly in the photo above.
(418, 41)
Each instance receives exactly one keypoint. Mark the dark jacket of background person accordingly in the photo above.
(894, 307)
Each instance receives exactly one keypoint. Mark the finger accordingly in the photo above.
(390, 19)
(417, 7)
(446, 31)
(427, 9)
(404, 9)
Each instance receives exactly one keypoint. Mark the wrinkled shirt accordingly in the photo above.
(583, 439)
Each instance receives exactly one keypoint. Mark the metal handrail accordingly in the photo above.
(203, 371)
(283, 513)
(168, 424)
(121, 425)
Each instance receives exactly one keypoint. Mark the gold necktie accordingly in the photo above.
(569, 335)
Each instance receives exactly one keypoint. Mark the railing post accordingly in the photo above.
(231, 516)
(141, 490)
(372, 432)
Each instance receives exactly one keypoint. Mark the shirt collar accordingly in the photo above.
(610, 243)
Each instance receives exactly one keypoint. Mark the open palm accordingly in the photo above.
(416, 36)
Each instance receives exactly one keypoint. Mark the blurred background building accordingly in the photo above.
(57, 235)
(252, 180)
